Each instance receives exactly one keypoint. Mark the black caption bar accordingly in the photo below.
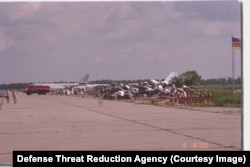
(129, 158)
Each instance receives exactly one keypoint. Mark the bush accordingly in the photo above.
(226, 98)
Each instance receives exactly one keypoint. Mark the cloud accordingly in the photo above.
(61, 40)
(225, 11)
(5, 43)
(210, 28)
(24, 11)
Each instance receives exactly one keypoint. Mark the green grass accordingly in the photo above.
(226, 98)
(223, 95)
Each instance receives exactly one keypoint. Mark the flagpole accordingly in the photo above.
(233, 66)
(232, 63)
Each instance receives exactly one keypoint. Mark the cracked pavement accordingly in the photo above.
(50, 122)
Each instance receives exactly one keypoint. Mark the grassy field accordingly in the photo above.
(224, 96)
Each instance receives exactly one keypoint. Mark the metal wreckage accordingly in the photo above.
(157, 92)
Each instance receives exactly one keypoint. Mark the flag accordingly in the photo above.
(236, 42)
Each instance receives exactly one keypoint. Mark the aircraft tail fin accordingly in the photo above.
(170, 76)
(84, 79)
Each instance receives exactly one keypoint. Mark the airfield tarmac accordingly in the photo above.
(53, 122)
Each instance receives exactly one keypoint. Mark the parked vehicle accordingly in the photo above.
(39, 89)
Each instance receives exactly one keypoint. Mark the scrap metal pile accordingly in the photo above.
(158, 92)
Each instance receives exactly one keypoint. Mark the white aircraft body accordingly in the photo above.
(79, 87)
(166, 81)
(65, 84)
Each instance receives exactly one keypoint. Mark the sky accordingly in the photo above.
(63, 41)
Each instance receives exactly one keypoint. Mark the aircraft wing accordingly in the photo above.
(92, 86)
(154, 81)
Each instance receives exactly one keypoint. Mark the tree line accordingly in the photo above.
(188, 78)
(221, 81)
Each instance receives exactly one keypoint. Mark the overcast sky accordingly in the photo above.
(62, 41)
